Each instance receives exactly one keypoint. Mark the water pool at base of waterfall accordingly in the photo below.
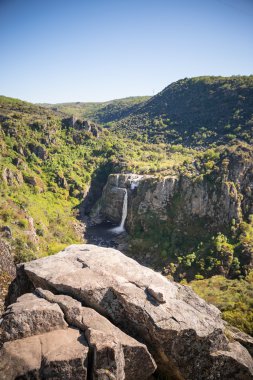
(105, 234)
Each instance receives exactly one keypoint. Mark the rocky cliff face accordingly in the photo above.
(180, 211)
(182, 196)
(94, 313)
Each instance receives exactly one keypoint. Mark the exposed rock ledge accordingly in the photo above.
(93, 313)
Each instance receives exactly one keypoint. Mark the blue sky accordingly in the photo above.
(77, 50)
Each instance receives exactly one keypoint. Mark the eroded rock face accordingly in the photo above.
(6, 258)
(184, 334)
(241, 337)
(182, 212)
(224, 195)
(12, 178)
(219, 203)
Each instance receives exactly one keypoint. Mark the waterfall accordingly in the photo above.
(124, 212)
(117, 180)
(121, 227)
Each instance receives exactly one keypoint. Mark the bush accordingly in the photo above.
(199, 277)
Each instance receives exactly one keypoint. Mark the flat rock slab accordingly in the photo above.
(31, 315)
(60, 354)
(185, 335)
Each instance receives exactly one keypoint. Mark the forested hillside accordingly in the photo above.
(46, 169)
(195, 112)
(101, 112)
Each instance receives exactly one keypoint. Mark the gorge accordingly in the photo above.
(171, 213)
(170, 196)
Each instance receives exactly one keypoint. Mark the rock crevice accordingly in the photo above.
(126, 318)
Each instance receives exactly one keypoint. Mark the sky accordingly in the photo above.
(96, 50)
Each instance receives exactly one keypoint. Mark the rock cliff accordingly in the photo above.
(91, 312)
(181, 211)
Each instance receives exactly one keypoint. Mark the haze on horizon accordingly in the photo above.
(61, 51)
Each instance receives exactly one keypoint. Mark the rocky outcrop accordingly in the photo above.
(61, 181)
(126, 312)
(7, 266)
(12, 177)
(180, 211)
(241, 337)
(38, 150)
(29, 316)
(31, 232)
(225, 194)
(103, 336)
(35, 182)
(193, 199)
(85, 125)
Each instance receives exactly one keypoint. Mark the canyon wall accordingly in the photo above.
(179, 212)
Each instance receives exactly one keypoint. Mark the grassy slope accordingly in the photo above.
(101, 112)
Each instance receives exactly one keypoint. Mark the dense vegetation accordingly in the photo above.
(194, 112)
(190, 246)
(46, 169)
(233, 297)
(102, 112)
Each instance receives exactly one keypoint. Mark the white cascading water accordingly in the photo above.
(121, 227)
(117, 180)
(124, 212)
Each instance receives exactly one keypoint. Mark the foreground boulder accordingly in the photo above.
(37, 342)
(60, 354)
(185, 335)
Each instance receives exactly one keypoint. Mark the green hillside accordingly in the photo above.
(195, 112)
(46, 169)
(101, 112)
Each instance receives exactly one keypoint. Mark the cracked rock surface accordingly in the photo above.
(125, 320)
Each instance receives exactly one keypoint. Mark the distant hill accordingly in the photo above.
(101, 112)
(192, 111)
(195, 112)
